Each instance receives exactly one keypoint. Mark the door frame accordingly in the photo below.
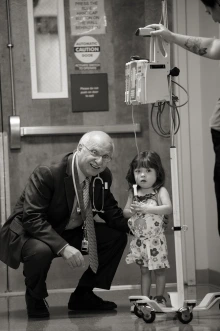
(186, 21)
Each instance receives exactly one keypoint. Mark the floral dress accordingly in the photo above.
(148, 248)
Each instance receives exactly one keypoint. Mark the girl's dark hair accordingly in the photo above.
(209, 3)
(147, 159)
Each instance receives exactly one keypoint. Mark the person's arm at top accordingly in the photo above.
(206, 47)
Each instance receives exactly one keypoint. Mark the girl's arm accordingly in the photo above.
(127, 209)
(165, 208)
(206, 47)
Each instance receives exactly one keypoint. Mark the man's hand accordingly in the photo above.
(73, 257)
(160, 30)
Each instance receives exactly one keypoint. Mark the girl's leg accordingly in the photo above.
(145, 281)
(160, 281)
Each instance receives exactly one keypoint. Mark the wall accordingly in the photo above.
(202, 84)
(210, 82)
(195, 152)
(196, 141)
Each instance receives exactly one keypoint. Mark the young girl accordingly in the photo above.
(148, 202)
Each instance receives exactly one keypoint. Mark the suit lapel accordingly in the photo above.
(70, 192)
(97, 191)
(69, 187)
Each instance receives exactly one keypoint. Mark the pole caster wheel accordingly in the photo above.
(149, 317)
(184, 315)
(137, 311)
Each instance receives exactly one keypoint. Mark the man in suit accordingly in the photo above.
(46, 223)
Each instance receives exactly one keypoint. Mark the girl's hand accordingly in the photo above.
(138, 207)
(165, 222)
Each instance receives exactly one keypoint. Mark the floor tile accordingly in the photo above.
(13, 315)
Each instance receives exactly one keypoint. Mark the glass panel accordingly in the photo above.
(47, 48)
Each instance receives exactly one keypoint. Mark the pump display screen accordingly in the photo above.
(157, 66)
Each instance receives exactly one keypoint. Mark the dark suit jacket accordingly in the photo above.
(45, 206)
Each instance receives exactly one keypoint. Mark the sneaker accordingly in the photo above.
(36, 307)
(89, 301)
(160, 300)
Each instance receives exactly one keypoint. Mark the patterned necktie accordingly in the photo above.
(93, 256)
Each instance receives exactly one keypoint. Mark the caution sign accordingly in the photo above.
(86, 49)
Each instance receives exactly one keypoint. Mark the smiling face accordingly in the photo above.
(93, 150)
(145, 177)
(214, 12)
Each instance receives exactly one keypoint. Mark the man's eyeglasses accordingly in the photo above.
(106, 158)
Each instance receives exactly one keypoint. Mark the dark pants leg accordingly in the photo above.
(37, 258)
(216, 146)
(110, 244)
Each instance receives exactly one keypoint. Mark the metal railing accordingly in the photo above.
(16, 131)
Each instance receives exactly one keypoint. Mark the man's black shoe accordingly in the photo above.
(36, 308)
(89, 301)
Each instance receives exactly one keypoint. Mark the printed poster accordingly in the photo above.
(89, 92)
(87, 17)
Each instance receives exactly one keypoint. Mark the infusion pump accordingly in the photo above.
(147, 81)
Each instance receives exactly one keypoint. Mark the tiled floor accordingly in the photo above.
(13, 315)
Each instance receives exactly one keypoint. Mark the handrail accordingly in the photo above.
(16, 132)
(77, 129)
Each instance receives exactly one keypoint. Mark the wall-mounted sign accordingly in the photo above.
(87, 66)
(87, 17)
(86, 49)
(89, 92)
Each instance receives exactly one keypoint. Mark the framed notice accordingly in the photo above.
(87, 17)
(89, 92)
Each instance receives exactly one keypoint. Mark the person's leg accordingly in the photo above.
(145, 281)
(160, 286)
(160, 281)
(216, 146)
(36, 257)
(110, 245)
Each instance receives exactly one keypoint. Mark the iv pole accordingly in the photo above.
(177, 299)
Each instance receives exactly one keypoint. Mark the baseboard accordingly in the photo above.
(208, 277)
(203, 277)
(214, 278)
(69, 290)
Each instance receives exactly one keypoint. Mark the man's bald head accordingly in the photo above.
(94, 151)
(99, 137)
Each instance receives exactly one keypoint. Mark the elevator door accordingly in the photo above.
(57, 113)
